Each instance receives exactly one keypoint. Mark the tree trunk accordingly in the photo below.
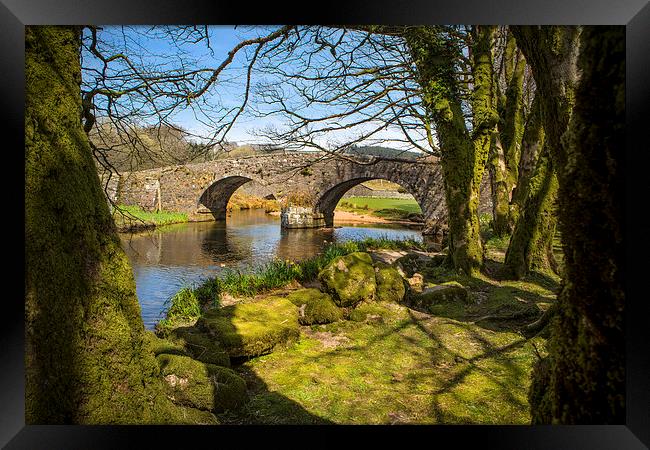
(532, 239)
(464, 155)
(585, 381)
(506, 143)
(86, 361)
(552, 53)
(588, 371)
(531, 145)
(499, 183)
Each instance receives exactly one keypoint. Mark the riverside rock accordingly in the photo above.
(390, 284)
(315, 307)
(349, 279)
(203, 386)
(253, 328)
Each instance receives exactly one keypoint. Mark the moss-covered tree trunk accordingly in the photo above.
(464, 154)
(585, 379)
(531, 145)
(506, 143)
(531, 243)
(85, 357)
(552, 52)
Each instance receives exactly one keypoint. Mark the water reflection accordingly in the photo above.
(166, 259)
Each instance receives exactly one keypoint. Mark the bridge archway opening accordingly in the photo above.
(389, 201)
(216, 197)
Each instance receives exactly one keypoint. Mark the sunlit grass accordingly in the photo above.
(387, 208)
(126, 216)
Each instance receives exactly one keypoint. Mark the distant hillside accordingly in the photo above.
(385, 152)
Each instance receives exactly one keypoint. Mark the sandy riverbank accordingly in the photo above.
(346, 217)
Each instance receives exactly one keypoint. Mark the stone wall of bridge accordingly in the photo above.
(202, 190)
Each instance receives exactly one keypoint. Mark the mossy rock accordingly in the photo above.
(390, 284)
(203, 386)
(315, 307)
(448, 293)
(370, 312)
(350, 279)
(253, 329)
(164, 346)
(201, 346)
(166, 412)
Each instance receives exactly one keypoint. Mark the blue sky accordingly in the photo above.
(159, 50)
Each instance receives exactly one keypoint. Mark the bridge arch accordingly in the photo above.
(329, 198)
(214, 199)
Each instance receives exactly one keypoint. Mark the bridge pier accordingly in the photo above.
(300, 217)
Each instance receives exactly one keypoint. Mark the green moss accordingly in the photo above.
(252, 329)
(318, 307)
(539, 396)
(203, 386)
(531, 243)
(390, 284)
(402, 369)
(370, 312)
(464, 154)
(442, 294)
(350, 279)
(201, 346)
(159, 346)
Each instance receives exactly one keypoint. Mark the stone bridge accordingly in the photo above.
(202, 190)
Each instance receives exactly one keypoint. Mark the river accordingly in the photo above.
(168, 258)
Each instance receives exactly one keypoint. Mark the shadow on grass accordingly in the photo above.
(402, 370)
(267, 407)
(497, 304)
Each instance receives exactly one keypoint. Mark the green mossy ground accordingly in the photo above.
(390, 364)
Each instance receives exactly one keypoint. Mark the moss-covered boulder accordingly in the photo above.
(390, 284)
(253, 329)
(447, 293)
(201, 346)
(167, 412)
(314, 307)
(350, 279)
(370, 312)
(203, 386)
(159, 345)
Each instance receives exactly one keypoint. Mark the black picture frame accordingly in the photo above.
(633, 14)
